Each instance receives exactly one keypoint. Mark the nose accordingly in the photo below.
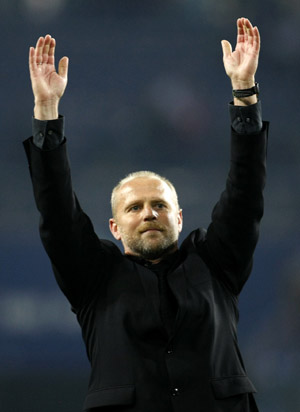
(150, 213)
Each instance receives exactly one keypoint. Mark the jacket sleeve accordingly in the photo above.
(233, 233)
(78, 257)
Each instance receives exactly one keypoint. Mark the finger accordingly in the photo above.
(51, 54)
(32, 60)
(227, 49)
(253, 35)
(39, 50)
(63, 66)
(256, 39)
(248, 23)
(248, 35)
(240, 30)
(245, 31)
(46, 49)
(249, 30)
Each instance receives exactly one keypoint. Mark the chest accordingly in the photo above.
(130, 302)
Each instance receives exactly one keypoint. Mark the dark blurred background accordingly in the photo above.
(147, 90)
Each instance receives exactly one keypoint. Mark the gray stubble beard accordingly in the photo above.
(148, 251)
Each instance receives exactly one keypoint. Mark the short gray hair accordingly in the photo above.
(135, 175)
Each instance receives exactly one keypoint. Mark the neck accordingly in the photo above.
(153, 260)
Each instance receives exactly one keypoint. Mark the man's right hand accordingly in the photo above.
(48, 86)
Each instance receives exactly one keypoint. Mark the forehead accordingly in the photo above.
(143, 188)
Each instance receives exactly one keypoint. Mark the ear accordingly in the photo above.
(114, 229)
(180, 220)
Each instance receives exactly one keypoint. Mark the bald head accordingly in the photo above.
(144, 174)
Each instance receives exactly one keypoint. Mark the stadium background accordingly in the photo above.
(147, 90)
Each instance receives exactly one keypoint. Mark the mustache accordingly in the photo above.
(151, 226)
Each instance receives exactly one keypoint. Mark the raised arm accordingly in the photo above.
(48, 85)
(233, 233)
(241, 64)
(77, 256)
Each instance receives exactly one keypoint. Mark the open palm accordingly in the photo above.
(241, 64)
(47, 84)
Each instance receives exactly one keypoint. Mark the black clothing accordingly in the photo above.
(136, 366)
(47, 135)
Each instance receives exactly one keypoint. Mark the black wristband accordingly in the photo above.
(246, 92)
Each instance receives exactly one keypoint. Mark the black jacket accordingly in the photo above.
(133, 362)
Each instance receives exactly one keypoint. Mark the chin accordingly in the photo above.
(153, 253)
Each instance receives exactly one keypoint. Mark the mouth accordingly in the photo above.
(151, 229)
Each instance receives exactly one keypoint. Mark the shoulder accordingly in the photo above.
(193, 241)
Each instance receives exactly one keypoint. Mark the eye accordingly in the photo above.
(134, 208)
(160, 205)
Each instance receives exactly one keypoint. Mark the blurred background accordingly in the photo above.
(147, 90)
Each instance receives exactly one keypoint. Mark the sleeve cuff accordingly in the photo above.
(246, 119)
(48, 134)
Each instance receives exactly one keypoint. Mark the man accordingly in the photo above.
(159, 321)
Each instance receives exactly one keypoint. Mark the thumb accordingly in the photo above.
(63, 66)
(226, 47)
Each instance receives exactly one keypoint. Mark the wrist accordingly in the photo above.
(238, 84)
(46, 109)
(245, 101)
(245, 97)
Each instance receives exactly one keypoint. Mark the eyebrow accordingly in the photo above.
(139, 202)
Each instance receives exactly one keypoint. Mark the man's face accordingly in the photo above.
(147, 219)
